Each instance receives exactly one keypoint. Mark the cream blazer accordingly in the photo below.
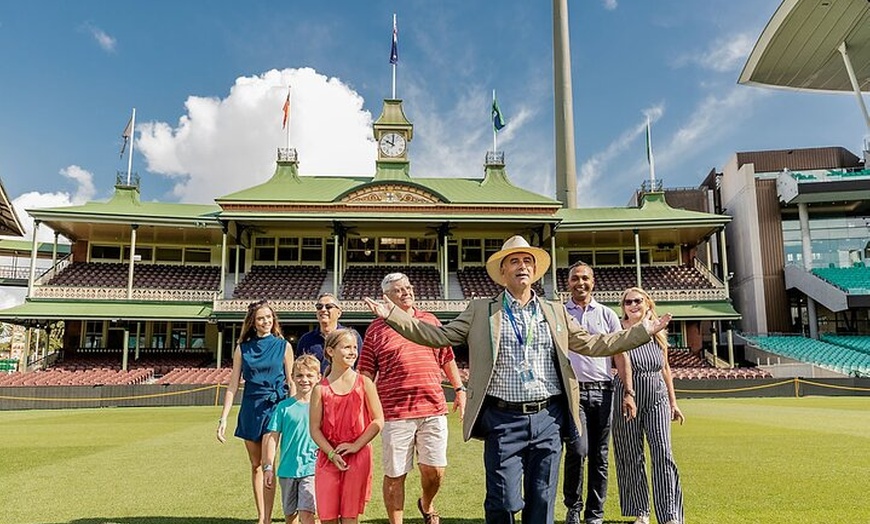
(479, 327)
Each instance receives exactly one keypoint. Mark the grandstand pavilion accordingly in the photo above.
(803, 215)
(148, 282)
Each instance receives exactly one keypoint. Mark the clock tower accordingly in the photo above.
(393, 132)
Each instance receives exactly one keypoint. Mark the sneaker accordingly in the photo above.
(643, 519)
(595, 521)
(673, 521)
(573, 516)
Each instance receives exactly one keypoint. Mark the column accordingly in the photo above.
(637, 258)
(856, 88)
(125, 353)
(32, 277)
(54, 250)
(22, 359)
(130, 270)
(238, 257)
(807, 253)
(730, 335)
(220, 345)
(223, 283)
(445, 275)
(138, 338)
(336, 264)
(726, 278)
(553, 270)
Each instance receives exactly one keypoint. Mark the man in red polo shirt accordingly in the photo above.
(408, 378)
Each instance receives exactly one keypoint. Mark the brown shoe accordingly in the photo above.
(428, 518)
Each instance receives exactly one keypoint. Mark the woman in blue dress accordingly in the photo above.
(264, 359)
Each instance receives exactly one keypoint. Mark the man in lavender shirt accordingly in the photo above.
(596, 399)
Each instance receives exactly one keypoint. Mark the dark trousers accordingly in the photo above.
(521, 455)
(595, 410)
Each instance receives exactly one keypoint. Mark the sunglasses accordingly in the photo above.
(632, 301)
(329, 307)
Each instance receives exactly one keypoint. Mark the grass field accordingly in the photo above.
(790, 460)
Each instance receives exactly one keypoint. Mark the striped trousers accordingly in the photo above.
(653, 422)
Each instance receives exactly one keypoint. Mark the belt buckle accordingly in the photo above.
(530, 408)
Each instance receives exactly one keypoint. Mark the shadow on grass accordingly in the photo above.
(159, 520)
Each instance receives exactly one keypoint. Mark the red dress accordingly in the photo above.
(345, 418)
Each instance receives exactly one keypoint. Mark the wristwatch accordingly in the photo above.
(460, 388)
(267, 467)
(629, 393)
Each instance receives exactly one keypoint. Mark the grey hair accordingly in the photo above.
(580, 263)
(330, 295)
(390, 278)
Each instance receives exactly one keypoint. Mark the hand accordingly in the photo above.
(459, 404)
(338, 460)
(654, 327)
(268, 478)
(221, 429)
(380, 309)
(346, 448)
(629, 408)
(676, 414)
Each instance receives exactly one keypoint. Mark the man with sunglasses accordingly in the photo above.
(408, 378)
(327, 311)
(590, 444)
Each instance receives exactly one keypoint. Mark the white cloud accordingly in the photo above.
(10, 297)
(723, 55)
(84, 192)
(104, 40)
(224, 145)
(610, 5)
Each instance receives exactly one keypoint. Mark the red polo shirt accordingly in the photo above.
(407, 375)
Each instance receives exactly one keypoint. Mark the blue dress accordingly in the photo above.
(265, 385)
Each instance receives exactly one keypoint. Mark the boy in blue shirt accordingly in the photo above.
(298, 451)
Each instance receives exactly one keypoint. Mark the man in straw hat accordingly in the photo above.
(521, 386)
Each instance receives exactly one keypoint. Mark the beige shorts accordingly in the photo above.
(401, 438)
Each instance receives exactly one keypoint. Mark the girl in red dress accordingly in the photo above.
(346, 415)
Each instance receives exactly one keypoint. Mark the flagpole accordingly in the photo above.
(132, 136)
(395, 38)
(287, 126)
(649, 155)
(494, 131)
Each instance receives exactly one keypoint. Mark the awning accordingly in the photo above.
(120, 310)
(721, 310)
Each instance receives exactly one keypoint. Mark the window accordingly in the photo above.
(424, 250)
(312, 249)
(158, 335)
(197, 335)
(93, 334)
(179, 335)
(580, 256)
(197, 255)
(264, 249)
(607, 258)
(145, 253)
(392, 250)
(360, 250)
(168, 254)
(471, 251)
(628, 257)
(112, 253)
(288, 249)
(490, 247)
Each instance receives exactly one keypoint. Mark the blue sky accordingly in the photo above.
(207, 81)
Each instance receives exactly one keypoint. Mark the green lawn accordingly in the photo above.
(741, 461)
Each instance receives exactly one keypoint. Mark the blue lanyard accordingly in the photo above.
(517, 333)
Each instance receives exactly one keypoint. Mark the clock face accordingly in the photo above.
(392, 144)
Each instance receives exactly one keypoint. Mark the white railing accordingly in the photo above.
(99, 293)
(307, 306)
(14, 272)
(661, 295)
(51, 272)
(702, 268)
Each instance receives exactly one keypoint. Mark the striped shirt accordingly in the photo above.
(539, 352)
(407, 375)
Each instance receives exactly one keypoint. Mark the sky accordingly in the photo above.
(208, 80)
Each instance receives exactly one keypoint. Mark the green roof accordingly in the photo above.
(87, 310)
(126, 206)
(654, 212)
(719, 310)
(288, 186)
(24, 247)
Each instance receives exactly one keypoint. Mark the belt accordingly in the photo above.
(601, 385)
(526, 408)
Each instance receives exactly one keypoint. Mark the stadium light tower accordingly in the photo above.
(566, 160)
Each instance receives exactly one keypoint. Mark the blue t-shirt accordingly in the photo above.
(298, 450)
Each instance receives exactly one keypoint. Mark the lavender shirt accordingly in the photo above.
(596, 318)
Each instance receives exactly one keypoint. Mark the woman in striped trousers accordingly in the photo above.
(656, 403)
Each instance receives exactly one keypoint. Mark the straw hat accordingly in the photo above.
(517, 244)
